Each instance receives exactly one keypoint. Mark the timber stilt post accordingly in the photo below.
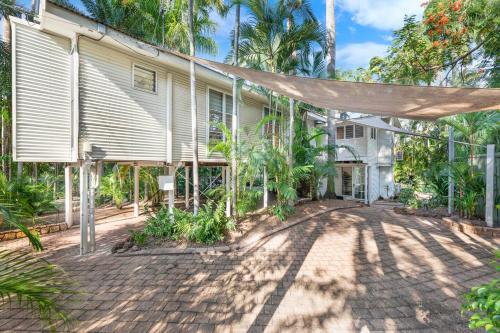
(137, 170)
(266, 193)
(451, 158)
(83, 207)
(92, 187)
(490, 179)
(171, 193)
(186, 186)
(68, 195)
(227, 180)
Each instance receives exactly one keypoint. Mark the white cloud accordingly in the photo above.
(356, 55)
(381, 14)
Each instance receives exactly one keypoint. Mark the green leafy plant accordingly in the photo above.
(33, 282)
(25, 198)
(482, 303)
(139, 238)
(36, 284)
(208, 227)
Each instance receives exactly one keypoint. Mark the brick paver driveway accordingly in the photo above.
(355, 270)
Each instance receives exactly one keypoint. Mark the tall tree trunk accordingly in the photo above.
(194, 118)
(234, 120)
(4, 121)
(291, 130)
(330, 60)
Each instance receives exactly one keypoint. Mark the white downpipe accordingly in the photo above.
(490, 180)
(68, 195)
(137, 170)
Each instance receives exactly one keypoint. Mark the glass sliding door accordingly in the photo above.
(358, 182)
(347, 181)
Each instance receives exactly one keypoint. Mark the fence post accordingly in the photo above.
(451, 158)
(490, 178)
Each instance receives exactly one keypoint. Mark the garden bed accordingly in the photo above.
(457, 223)
(252, 227)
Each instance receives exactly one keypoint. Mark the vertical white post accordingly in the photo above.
(137, 170)
(227, 178)
(451, 158)
(490, 179)
(83, 208)
(171, 194)
(265, 199)
(186, 186)
(92, 186)
(68, 195)
(367, 199)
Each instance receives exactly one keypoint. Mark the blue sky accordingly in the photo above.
(364, 27)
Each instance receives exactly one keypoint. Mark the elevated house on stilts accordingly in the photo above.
(85, 93)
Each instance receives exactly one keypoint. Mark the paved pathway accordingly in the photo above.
(356, 270)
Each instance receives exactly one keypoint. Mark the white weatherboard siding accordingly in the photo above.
(385, 144)
(182, 146)
(42, 96)
(121, 122)
(386, 182)
(250, 113)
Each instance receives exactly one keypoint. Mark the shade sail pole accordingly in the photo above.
(451, 158)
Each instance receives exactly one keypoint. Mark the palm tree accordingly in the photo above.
(7, 9)
(268, 38)
(234, 118)
(475, 128)
(330, 59)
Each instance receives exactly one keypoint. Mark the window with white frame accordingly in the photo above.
(373, 133)
(220, 108)
(144, 79)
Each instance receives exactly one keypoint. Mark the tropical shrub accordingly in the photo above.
(210, 225)
(407, 196)
(26, 198)
(33, 282)
(114, 186)
(482, 303)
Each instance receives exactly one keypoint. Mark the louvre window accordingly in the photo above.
(349, 131)
(340, 133)
(399, 156)
(220, 111)
(268, 127)
(144, 79)
(359, 131)
(373, 133)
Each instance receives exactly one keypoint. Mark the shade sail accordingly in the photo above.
(380, 124)
(405, 101)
